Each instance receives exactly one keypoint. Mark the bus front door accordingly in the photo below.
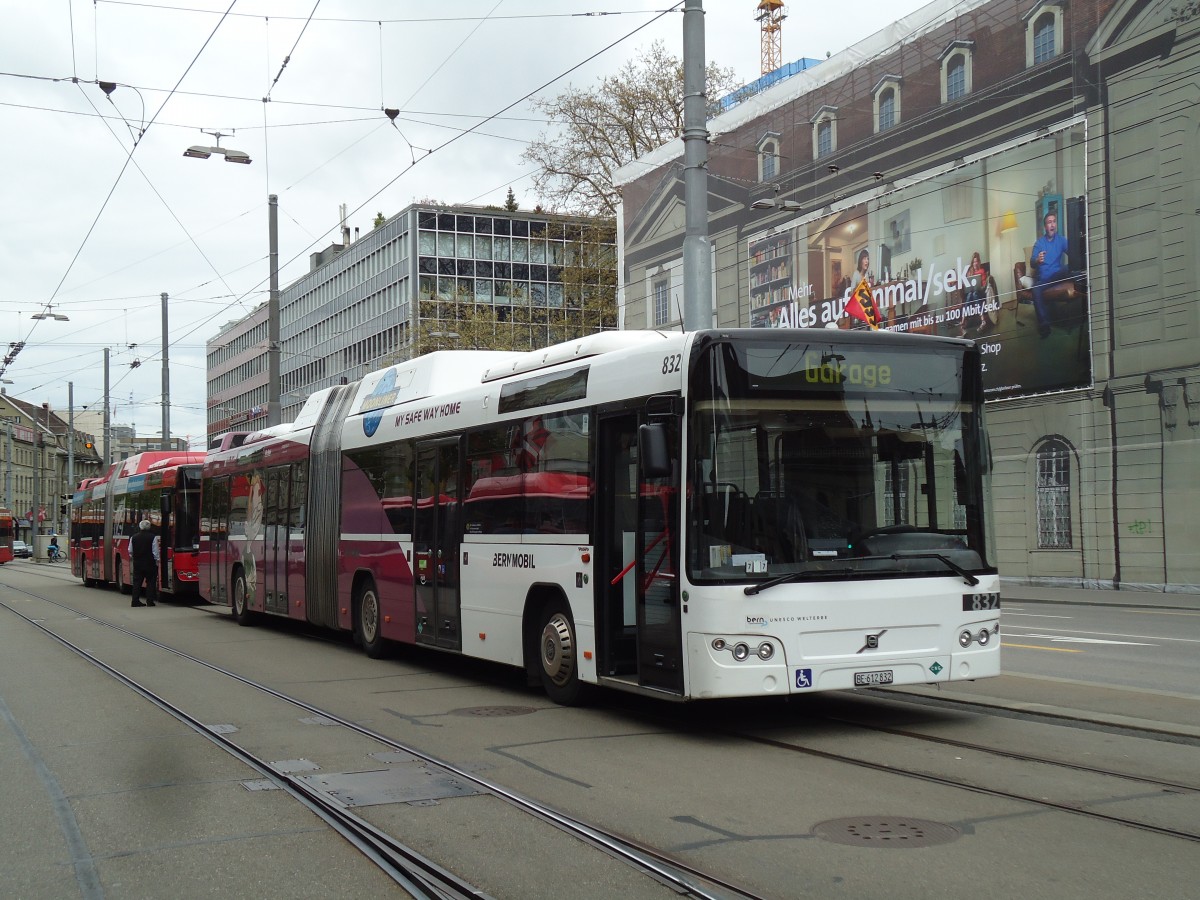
(638, 551)
(437, 536)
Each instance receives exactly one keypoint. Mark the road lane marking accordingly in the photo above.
(1118, 634)
(1058, 638)
(1004, 643)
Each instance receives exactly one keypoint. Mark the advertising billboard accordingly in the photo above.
(994, 250)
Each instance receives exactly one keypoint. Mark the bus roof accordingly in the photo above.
(140, 463)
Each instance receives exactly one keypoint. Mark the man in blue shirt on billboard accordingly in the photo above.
(1049, 262)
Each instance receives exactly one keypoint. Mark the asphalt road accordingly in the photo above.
(1058, 779)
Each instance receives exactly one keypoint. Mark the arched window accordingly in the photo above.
(824, 125)
(1043, 38)
(956, 62)
(1043, 31)
(1054, 496)
(887, 102)
(768, 156)
(768, 162)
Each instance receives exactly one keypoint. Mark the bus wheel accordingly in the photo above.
(121, 585)
(368, 620)
(556, 651)
(241, 607)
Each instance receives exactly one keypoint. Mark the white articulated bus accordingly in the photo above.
(691, 515)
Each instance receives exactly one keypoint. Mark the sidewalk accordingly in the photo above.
(1098, 596)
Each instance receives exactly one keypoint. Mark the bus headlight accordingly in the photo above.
(718, 644)
(983, 637)
(964, 639)
(740, 652)
(766, 650)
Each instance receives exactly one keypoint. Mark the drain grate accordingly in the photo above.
(485, 712)
(886, 831)
(421, 784)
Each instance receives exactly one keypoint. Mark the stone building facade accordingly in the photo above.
(954, 132)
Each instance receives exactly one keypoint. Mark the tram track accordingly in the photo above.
(1075, 809)
(1092, 797)
(408, 868)
(1041, 802)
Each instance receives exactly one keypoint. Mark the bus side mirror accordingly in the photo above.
(653, 454)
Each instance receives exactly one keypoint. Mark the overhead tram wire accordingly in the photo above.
(157, 194)
(442, 146)
(406, 21)
(121, 174)
(462, 134)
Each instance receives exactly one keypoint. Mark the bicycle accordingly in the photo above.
(53, 554)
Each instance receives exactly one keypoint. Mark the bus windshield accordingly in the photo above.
(828, 458)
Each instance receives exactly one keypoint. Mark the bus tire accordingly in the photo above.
(368, 619)
(558, 654)
(238, 600)
(121, 585)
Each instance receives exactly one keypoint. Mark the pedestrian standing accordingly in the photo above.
(142, 550)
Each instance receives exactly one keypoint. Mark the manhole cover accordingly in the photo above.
(886, 831)
(493, 712)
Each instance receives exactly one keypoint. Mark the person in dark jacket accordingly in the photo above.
(145, 566)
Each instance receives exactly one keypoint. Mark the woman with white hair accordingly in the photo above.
(142, 550)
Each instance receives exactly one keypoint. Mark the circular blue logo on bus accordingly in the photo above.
(381, 397)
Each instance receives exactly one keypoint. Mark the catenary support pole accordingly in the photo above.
(166, 382)
(273, 314)
(697, 252)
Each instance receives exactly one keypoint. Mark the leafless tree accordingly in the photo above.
(621, 119)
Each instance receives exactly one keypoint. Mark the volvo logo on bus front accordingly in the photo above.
(872, 641)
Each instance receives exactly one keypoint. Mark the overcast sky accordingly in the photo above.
(100, 234)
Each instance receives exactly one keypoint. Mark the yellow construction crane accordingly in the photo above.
(770, 16)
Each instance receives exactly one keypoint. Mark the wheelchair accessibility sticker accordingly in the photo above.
(804, 678)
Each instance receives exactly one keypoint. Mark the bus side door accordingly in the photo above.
(437, 539)
(216, 515)
(276, 513)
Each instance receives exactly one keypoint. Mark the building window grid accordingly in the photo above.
(532, 242)
(887, 109)
(1054, 497)
(662, 302)
(956, 77)
(824, 138)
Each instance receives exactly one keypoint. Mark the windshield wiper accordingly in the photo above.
(954, 567)
(792, 576)
(949, 563)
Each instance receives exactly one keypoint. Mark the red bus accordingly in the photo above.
(6, 536)
(161, 486)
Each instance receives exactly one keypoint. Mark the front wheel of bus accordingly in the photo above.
(241, 605)
(368, 620)
(557, 653)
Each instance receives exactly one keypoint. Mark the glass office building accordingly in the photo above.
(423, 279)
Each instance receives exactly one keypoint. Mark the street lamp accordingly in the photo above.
(196, 151)
(49, 313)
(789, 205)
